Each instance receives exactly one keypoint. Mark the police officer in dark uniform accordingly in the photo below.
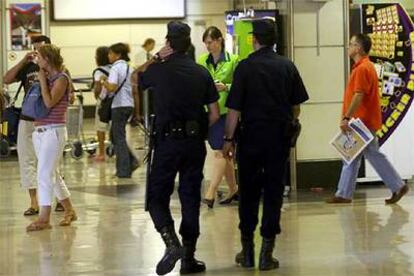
(181, 90)
(265, 95)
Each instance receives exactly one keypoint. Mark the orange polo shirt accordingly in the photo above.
(364, 79)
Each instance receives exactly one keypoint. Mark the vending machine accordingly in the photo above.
(239, 40)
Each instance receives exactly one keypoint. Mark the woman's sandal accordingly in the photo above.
(68, 218)
(38, 226)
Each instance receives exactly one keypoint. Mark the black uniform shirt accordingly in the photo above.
(28, 75)
(265, 87)
(182, 88)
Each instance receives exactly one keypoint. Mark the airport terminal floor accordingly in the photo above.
(114, 236)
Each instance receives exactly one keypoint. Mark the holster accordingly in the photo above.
(182, 129)
(292, 131)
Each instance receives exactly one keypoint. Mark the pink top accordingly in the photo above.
(57, 114)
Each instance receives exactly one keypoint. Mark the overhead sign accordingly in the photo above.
(119, 9)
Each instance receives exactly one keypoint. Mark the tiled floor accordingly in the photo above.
(114, 236)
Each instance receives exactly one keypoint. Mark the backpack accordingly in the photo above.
(103, 71)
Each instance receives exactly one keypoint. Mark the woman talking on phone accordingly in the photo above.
(49, 137)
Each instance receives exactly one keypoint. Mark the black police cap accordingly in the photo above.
(178, 29)
(264, 27)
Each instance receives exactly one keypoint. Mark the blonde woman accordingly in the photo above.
(49, 137)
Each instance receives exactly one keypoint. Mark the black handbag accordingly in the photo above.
(11, 115)
(105, 108)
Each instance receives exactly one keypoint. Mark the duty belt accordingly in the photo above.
(182, 129)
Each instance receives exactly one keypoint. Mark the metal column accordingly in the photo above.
(291, 55)
(3, 43)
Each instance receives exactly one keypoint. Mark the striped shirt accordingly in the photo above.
(57, 114)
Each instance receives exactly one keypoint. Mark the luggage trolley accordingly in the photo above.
(74, 124)
(76, 142)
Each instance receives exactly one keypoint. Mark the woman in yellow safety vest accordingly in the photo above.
(221, 66)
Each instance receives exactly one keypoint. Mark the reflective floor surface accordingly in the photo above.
(114, 236)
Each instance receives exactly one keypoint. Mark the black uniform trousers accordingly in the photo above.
(262, 154)
(186, 157)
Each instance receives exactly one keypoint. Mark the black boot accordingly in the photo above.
(189, 264)
(246, 257)
(173, 252)
(266, 261)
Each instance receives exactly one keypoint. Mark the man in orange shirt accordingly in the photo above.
(362, 100)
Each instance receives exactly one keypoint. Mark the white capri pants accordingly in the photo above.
(49, 142)
(26, 154)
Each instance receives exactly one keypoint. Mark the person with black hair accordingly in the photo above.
(265, 96)
(181, 90)
(362, 100)
(26, 72)
(191, 51)
(103, 69)
(119, 83)
(221, 65)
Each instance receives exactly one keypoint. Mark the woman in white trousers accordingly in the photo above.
(49, 138)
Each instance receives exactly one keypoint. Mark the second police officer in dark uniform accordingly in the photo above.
(181, 91)
(266, 93)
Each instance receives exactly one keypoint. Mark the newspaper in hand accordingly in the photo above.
(352, 143)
